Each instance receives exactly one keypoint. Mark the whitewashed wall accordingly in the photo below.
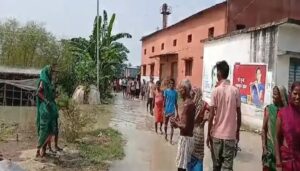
(237, 49)
(289, 38)
(232, 49)
(282, 68)
(288, 46)
(272, 46)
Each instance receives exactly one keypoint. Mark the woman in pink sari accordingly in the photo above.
(288, 133)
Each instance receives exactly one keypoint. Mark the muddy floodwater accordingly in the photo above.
(144, 149)
(23, 118)
(21, 115)
(22, 121)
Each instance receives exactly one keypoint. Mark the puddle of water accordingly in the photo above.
(23, 116)
(144, 149)
(17, 114)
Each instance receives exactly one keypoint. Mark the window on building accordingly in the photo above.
(188, 67)
(162, 46)
(153, 49)
(240, 26)
(294, 71)
(211, 32)
(175, 42)
(144, 70)
(190, 38)
(152, 69)
(145, 51)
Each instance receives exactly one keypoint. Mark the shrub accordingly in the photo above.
(73, 121)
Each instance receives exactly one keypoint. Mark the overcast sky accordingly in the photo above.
(74, 18)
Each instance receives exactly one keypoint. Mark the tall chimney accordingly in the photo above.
(165, 11)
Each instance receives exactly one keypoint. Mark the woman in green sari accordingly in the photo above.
(47, 112)
(269, 127)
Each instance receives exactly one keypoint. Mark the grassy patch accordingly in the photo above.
(101, 146)
(7, 129)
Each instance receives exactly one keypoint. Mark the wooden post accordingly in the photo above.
(4, 95)
(28, 102)
(21, 98)
(13, 96)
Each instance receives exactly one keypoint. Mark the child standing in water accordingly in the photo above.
(158, 106)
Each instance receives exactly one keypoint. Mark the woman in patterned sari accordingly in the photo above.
(47, 111)
(196, 163)
(269, 128)
(288, 133)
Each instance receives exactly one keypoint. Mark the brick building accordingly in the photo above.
(177, 51)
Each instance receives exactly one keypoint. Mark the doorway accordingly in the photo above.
(174, 71)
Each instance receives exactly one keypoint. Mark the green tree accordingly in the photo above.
(112, 54)
(26, 46)
(66, 68)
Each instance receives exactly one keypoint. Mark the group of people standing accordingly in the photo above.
(164, 103)
(164, 98)
(224, 120)
(280, 133)
(133, 88)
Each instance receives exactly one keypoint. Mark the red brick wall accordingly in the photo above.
(198, 27)
(256, 12)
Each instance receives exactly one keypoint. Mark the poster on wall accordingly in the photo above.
(251, 81)
(209, 79)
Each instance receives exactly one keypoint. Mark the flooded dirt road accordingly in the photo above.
(147, 151)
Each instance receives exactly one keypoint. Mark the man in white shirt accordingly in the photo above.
(150, 93)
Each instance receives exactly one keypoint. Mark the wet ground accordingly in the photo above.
(22, 137)
(147, 151)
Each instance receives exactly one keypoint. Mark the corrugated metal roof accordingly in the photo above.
(24, 71)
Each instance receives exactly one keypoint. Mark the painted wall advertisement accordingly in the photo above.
(251, 80)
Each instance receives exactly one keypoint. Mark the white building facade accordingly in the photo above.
(274, 46)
